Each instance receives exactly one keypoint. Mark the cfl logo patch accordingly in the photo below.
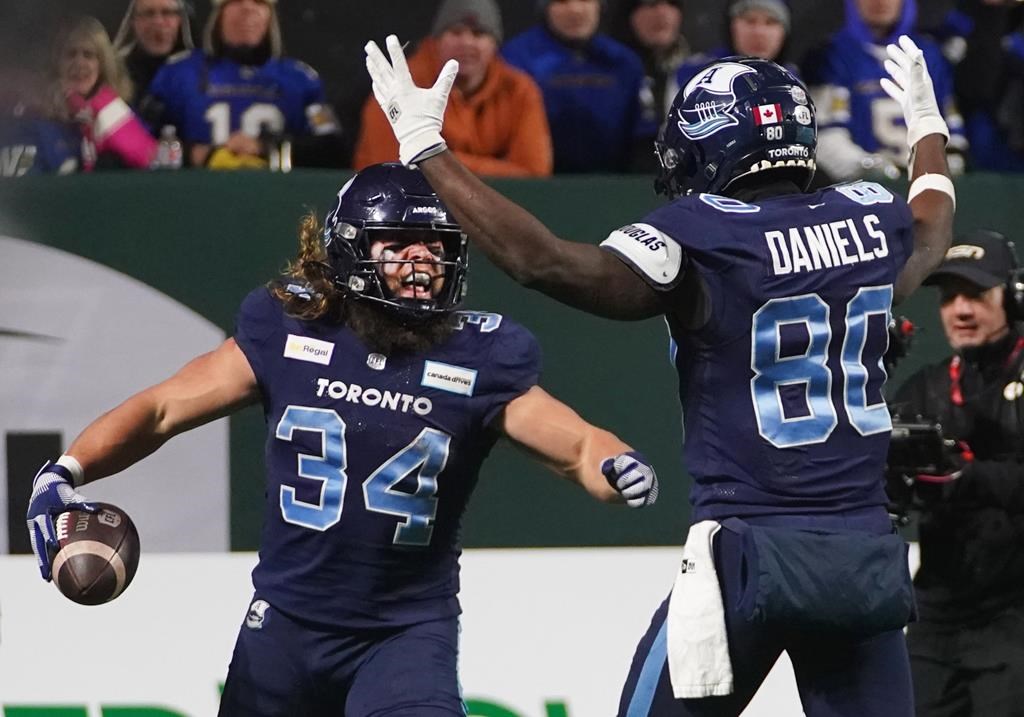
(688, 566)
(109, 517)
(257, 613)
(394, 112)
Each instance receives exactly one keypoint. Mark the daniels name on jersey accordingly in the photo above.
(826, 245)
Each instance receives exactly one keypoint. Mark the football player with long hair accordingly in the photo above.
(381, 402)
(777, 302)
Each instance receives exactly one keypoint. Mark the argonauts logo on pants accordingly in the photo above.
(257, 613)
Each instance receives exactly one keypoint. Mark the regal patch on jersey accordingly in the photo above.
(304, 348)
(655, 254)
(446, 377)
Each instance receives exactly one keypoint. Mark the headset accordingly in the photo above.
(1013, 293)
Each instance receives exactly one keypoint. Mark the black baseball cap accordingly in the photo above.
(983, 257)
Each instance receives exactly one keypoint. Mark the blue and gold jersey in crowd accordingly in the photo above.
(846, 77)
(781, 388)
(371, 459)
(208, 99)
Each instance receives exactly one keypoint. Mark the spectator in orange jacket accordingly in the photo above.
(494, 122)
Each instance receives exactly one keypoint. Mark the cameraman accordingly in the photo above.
(967, 648)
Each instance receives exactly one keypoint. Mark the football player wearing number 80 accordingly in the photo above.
(381, 402)
(777, 302)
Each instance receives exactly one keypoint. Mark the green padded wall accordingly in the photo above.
(206, 239)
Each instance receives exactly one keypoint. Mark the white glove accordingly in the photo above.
(415, 113)
(53, 492)
(911, 86)
(632, 475)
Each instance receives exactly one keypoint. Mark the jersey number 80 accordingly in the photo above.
(811, 372)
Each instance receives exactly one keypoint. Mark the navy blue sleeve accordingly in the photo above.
(259, 318)
(513, 367)
(905, 222)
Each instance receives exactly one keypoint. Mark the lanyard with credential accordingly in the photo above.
(956, 394)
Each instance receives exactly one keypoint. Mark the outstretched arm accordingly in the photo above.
(208, 387)
(933, 215)
(592, 457)
(583, 276)
(580, 275)
(932, 198)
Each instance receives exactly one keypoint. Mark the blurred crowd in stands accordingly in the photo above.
(584, 89)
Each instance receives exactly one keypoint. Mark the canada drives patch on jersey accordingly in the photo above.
(208, 99)
(371, 460)
(782, 388)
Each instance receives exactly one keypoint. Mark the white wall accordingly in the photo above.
(540, 625)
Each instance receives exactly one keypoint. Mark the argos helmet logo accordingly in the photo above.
(709, 100)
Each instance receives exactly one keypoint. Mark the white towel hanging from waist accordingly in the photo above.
(698, 647)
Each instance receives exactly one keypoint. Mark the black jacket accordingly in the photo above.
(972, 537)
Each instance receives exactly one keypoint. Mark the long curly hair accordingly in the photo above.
(308, 291)
(319, 297)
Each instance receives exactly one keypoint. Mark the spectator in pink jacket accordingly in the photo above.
(89, 90)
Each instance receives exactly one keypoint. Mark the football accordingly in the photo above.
(97, 554)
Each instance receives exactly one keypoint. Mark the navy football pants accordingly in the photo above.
(856, 678)
(287, 668)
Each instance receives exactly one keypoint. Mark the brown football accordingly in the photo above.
(97, 555)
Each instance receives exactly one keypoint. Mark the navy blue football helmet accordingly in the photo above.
(382, 202)
(737, 117)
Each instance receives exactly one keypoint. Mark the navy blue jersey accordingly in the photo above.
(209, 98)
(371, 460)
(781, 389)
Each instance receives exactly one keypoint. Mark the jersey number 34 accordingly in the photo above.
(426, 454)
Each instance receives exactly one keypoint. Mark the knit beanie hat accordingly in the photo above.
(776, 8)
(482, 15)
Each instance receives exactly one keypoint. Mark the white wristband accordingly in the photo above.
(938, 182)
(924, 126)
(74, 468)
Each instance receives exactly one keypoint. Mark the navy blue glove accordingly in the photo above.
(53, 493)
(632, 475)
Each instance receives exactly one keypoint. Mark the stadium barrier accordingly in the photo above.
(204, 239)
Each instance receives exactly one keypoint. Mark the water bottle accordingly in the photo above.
(169, 153)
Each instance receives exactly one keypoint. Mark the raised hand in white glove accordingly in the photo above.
(911, 86)
(415, 113)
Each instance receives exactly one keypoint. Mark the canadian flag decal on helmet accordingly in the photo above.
(768, 114)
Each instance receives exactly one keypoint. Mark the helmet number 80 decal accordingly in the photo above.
(773, 132)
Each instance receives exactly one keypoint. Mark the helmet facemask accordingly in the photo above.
(392, 241)
(413, 271)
